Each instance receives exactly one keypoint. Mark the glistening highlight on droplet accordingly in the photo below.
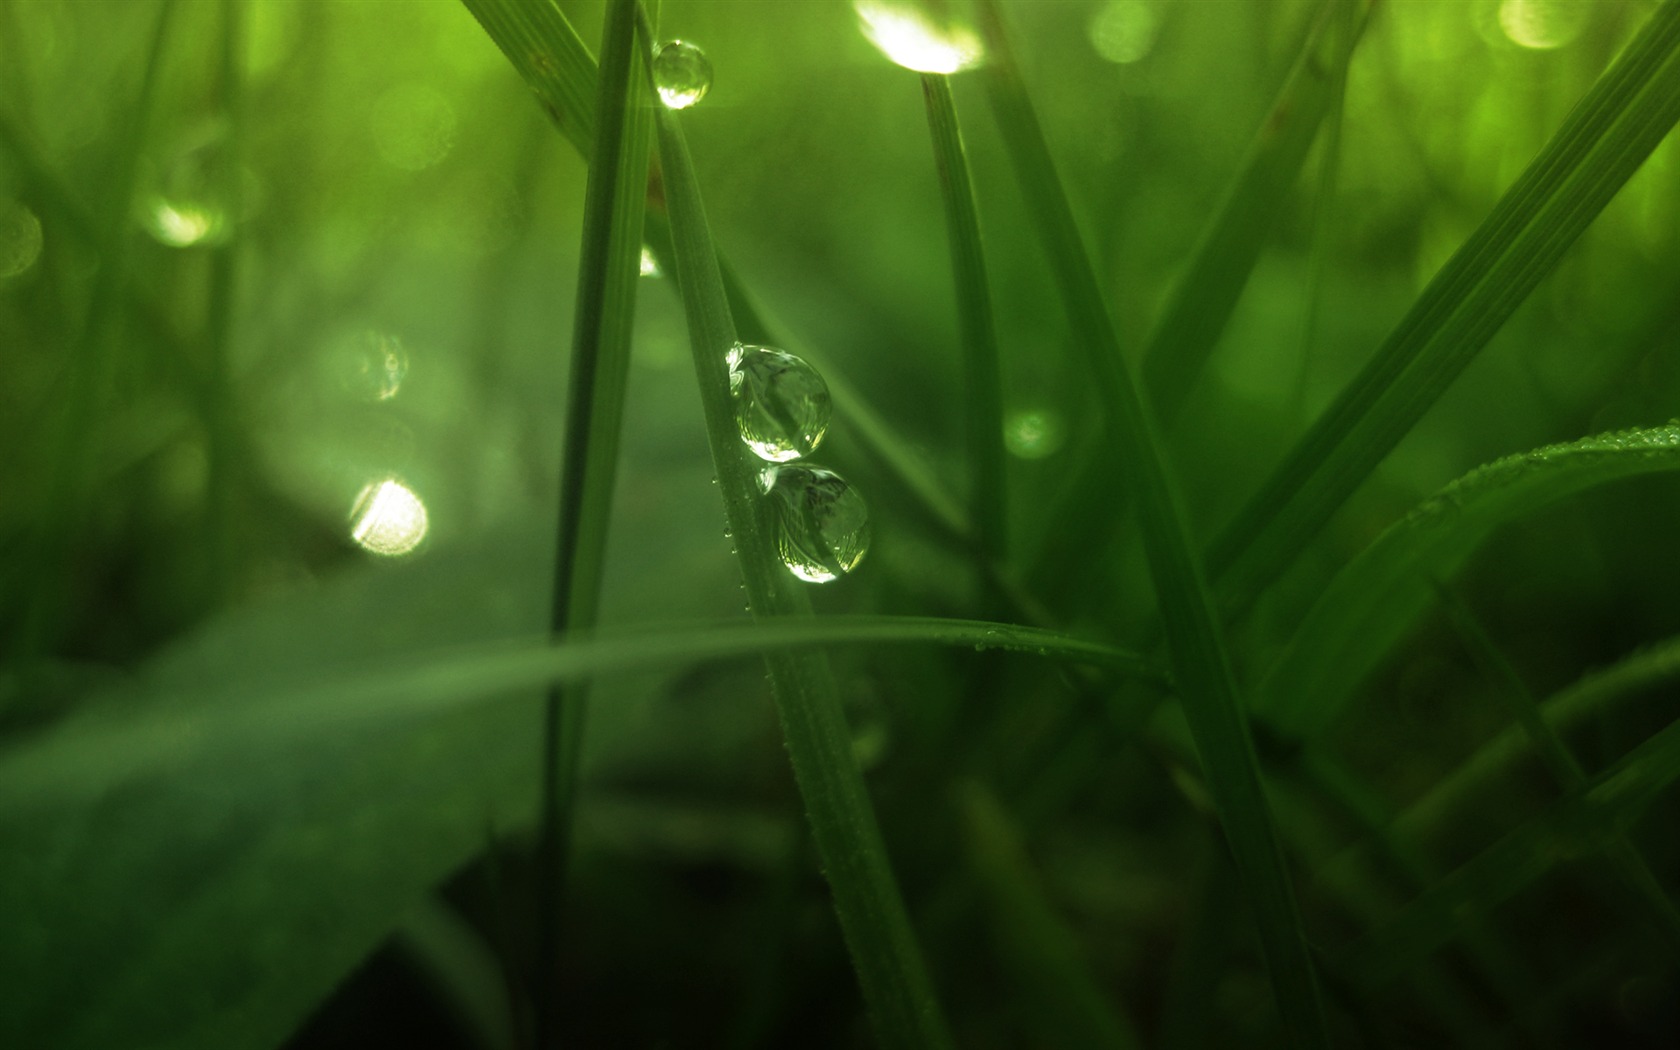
(908, 35)
(388, 518)
(822, 524)
(185, 201)
(682, 74)
(782, 407)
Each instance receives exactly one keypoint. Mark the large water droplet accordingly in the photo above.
(908, 35)
(781, 403)
(388, 518)
(682, 73)
(1543, 24)
(186, 200)
(822, 524)
(20, 238)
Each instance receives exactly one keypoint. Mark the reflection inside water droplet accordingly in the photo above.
(822, 524)
(388, 518)
(20, 238)
(185, 203)
(781, 403)
(911, 38)
(682, 73)
(650, 265)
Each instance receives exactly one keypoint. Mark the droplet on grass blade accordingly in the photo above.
(20, 238)
(822, 524)
(185, 201)
(649, 265)
(682, 74)
(388, 518)
(911, 37)
(1542, 25)
(782, 406)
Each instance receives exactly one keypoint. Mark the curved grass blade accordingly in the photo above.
(1565, 769)
(608, 272)
(1606, 138)
(1587, 821)
(552, 60)
(896, 989)
(983, 403)
(1034, 944)
(1201, 665)
(1376, 598)
(1204, 296)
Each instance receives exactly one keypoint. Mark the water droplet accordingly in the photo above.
(388, 518)
(1033, 434)
(822, 523)
(20, 238)
(1123, 31)
(911, 37)
(1543, 24)
(682, 73)
(185, 203)
(781, 403)
(650, 265)
(370, 363)
(413, 126)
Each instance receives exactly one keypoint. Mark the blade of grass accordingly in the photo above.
(1606, 138)
(1586, 821)
(221, 444)
(108, 745)
(552, 60)
(1201, 665)
(896, 990)
(1621, 853)
(608, 271)
(1033, 942)
(45, 596)
(983, 400)
(1203, 297)
(1376, 598)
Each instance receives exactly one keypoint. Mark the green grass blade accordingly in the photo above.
(1621, 853)
(608, 272)
(1035, 944)
(1604, 141)
(1588, 820)
(1374, 601)
(896, 989)
(1204, 296)
(1201, 665)
(550, 57)
(983, 401)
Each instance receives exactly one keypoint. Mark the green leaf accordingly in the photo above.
(1610, 133)
(1374, 601)
(1201, 665)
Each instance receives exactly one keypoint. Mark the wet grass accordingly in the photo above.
(1384, 760)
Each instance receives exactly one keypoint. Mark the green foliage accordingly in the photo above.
(348, 446)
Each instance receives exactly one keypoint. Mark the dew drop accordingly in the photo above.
(822, 524)
(911, 37)
(185, 200)
(781, 403)
(20, 238)
(1542, 25)
(388, 518)
(682, 73)
(649, 265)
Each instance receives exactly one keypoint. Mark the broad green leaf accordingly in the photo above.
(1374, 601)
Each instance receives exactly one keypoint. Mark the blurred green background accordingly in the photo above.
(229, 317)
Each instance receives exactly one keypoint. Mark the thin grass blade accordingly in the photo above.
(1605, 140)
(1201, 665)
(1374, 601)
(983, 403)
(896, 989)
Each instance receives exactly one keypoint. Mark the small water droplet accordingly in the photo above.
(185, 203)
(822, 523)
(682, 73)
(650, 265)
(781, 403)
(20, 238)
(370, 363)
(1542, 25)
